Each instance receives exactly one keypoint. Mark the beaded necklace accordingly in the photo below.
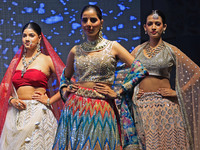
(26, 65)
(93, 46)
(151, 52)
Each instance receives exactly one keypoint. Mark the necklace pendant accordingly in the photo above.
(22, 74)
(23, 71)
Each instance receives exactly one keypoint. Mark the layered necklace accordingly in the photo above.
(26, 65)
(151, 52)
(93, 46)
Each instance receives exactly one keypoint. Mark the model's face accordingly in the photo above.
(154, 26)
(30, 39)
(91, 24)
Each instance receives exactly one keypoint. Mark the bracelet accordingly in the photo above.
(9, 100)
(48, 102)
(118, 95)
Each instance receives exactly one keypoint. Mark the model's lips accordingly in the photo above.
(88, 30)
(27, 43)
(153, 32)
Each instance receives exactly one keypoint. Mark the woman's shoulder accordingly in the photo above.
(45, 58)
(115, 43)
(173, 47)
(141, 45)
(134, 52)
(74, 49)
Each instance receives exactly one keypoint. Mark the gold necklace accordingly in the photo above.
(93, 46)
(151, 52)
(25, 65)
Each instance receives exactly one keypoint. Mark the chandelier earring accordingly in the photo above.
(163, 31)
(24, 50)
(82, 34)
(38, 47)
(100, 32)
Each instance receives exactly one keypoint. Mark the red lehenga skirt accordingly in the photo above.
(161, 125)
(88, 122)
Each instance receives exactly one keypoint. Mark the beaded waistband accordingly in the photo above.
(87, 92)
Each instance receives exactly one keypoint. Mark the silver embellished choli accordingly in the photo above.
(98, 67)
(164, 122)
(159, 65)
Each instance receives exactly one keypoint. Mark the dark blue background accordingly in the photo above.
(60, 23)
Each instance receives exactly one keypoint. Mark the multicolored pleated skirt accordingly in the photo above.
(88, 122)
(161, 126)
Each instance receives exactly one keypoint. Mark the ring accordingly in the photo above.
(19, 104)
(70, 87)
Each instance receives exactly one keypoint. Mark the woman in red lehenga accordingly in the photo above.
(28, 94)
(167, 118)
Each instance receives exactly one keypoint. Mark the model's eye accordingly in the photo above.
(24, 35)
(149, 23)
(158, 23)
(32, 35)
(93, 20)
(84, 20)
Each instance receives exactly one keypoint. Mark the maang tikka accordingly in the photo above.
(155, 14)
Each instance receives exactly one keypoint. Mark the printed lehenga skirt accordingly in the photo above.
(31, 129)
(88, 122)
(161, 125)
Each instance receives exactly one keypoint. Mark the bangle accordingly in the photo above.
(48, 102)
(9, 100)
(118, 95)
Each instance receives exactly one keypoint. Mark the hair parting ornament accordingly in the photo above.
(155, 14)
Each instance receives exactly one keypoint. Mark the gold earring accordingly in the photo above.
(163, 31)
(82, 34)
(24, 49)
(38, 47)
(100, 32)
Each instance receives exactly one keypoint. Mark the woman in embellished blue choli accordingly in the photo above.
(167, 118)
(89, 119)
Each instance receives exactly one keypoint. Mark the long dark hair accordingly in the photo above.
(34, 26)
(96, 8)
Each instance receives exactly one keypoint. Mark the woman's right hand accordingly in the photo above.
(140, 93)
(72, 88)
(18, 104)
(167, 92)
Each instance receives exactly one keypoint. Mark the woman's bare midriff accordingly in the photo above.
(26, 92)
(153, 83)
(90, 84)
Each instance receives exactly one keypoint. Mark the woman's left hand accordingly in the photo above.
(105, 90)
(41, 97)
(167, 92)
